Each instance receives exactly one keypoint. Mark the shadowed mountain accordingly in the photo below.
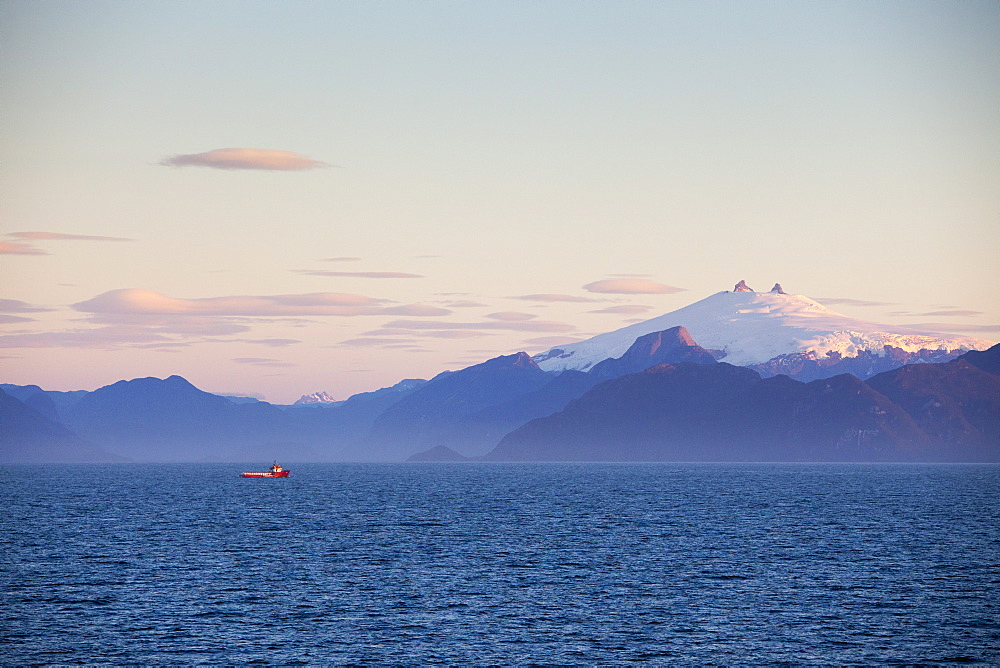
(340, 431)
(475, 433)
(149, 419)
(670, 346)
(50, 403)
(28, 436)
(719, 412)
(987, 360)
(479, 432)
(439, 453)
(956, 404)
(424, 418)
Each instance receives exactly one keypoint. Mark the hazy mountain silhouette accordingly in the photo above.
(956, 404)
(150, 419)
(720, 412)
(28, 436)
(424, 418)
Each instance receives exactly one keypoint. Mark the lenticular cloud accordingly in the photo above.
(245, 158)
(132, 301)
(631, 287)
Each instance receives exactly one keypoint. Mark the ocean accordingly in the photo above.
(500, 564)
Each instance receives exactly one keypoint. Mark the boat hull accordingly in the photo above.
(279, 474)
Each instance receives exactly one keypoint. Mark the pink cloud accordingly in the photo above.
(261, 361)
(17, 248)
(14, 319)
(102, 338)
(245, 158)
(834, 301)
(415, 310)
(452, 334)
(17, 306)
(357, 274)
(136, 301)
(370, 342)
(511, 316)
(554, 298)
(463, 303)
(532, 326)
(631, 287)
(273, 343)
(59, 236)
(172, 324)
(626, 309)
(955, 313)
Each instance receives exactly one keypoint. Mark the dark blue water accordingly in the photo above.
(506, 564)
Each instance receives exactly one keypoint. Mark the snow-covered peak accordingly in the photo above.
(753, 327)
(316, 398)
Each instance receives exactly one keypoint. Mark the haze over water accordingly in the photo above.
(479, 563)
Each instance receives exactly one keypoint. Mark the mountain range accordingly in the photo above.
(832, 389)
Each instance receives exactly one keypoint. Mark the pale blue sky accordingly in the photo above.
(850, 150)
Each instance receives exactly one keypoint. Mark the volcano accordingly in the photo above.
(745, 328)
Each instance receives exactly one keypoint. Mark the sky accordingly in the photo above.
(275, 199)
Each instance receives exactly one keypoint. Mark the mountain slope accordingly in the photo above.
(420, 419)
(154, 420)
(28, 436)
(987, 360)
(665, 347)
(956, 404)
(754, 327)
(720, 412)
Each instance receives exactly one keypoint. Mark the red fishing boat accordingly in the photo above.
(276, 471)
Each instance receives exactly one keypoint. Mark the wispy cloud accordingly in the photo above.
(370, 342)
(183, 325)
(23, 246)
(245, 158)
(356, 274)
(846, 301)
(18, 248)
(625, 309)
(105, 338)
(59, 236)
(955, 327)
(953, 314)
(452, 334)
(522, 326)
(8, 306)
(273, 343)
(633, 286)
(548, 297)
(415, 310)
(13, 319)
(17, 306)
(136, 301)
(262, 361)
(511, 316)
(462, 303)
